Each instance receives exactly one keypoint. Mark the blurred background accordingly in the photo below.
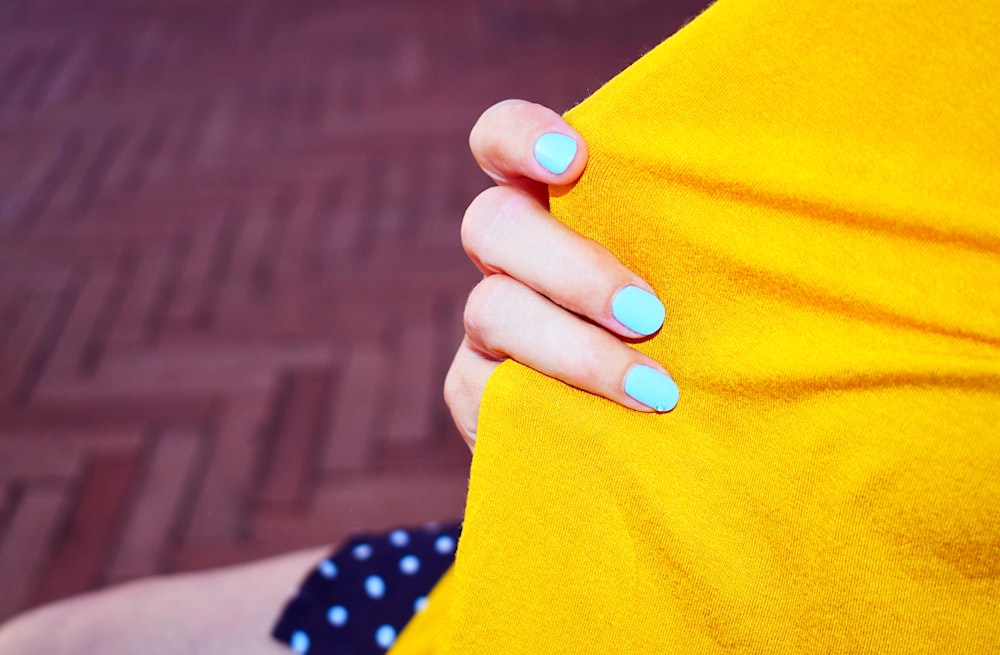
(230, 275)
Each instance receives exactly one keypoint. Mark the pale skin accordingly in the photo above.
(219, 612)
(545, 301)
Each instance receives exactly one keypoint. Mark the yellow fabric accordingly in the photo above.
(812, 188)
(421, 634)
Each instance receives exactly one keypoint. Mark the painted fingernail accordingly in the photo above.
(555, 151)
(652, 388)
(638, 310)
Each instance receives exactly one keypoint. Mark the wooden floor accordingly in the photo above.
(230, 275)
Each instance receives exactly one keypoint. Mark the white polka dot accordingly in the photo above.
(337, 615)
(432, 526)
(375, 586)
(399, 538)
(385, 636)
(444, 544)
(327, 569)
(362, 551)
(409, 565)
(420, 604)
(300, 642)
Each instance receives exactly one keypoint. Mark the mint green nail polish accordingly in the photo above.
(555, 151)
(638, 310)
(652, 388)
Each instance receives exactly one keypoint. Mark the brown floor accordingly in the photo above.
(230, 276)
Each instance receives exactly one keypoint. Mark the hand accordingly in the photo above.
(550, 298)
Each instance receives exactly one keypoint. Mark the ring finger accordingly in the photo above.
(562, 345)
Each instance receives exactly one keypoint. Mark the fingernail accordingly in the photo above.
(555, 151)
(652, 388)
(638, 310)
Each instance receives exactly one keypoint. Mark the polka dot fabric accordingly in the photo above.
(359, 599)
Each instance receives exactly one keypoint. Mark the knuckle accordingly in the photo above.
(453, 386)
(461, 404)
(480, 308)
(487, 217)
(478, 217)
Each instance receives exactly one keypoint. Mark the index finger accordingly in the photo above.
(516, 140)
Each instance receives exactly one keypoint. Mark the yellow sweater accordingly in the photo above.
(813, 189)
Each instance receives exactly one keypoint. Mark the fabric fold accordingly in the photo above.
(812, 189)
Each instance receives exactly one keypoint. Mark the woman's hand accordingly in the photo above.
(550, 298)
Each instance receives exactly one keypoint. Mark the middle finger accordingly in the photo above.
(504, 318)
(505, 230)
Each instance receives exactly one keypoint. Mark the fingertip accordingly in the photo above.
(517, 138)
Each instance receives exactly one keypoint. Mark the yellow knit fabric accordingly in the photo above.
(813, 190)
(422, 635)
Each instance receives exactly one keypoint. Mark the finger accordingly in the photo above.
(464, 386)
(507, 231)
(563, 346)
(516, 139)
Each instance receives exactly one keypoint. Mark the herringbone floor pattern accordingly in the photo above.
(230, 275)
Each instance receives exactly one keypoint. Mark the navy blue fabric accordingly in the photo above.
(359, 599)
